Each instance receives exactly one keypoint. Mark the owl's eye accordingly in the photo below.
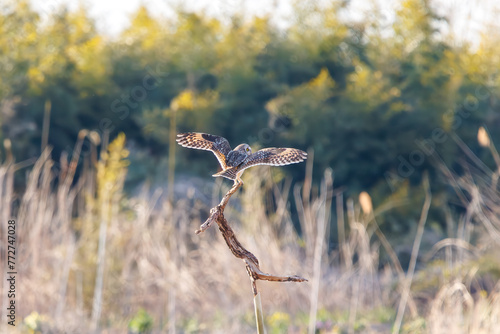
(248, 150)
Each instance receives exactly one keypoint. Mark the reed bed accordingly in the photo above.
(90, 257)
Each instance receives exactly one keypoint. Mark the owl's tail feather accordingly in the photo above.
(229, 173)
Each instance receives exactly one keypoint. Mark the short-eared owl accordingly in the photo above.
(234, 162)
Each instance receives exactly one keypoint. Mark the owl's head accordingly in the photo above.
(244, 148)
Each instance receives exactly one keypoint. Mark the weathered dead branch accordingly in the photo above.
(251, 262)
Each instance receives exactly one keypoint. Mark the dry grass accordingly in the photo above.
(192, 283)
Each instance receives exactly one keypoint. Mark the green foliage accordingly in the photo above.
(367, 320)
(141, 323)
(278, 322)
(364, 97)
(414, 326)
(111, 169)
(486, 269)
(36, 323)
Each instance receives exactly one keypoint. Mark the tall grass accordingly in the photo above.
(90, 256)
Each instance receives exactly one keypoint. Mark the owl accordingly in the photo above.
(234, 162)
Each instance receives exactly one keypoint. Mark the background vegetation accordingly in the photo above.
(386, 109)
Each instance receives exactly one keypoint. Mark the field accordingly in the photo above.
(393, 219)
(89, 256)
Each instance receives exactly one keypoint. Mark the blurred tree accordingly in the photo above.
(18, 37)
(374, 98)
(63, 62)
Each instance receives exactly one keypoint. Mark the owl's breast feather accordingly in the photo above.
(235, 158)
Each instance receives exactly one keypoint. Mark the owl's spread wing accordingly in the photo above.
(274, 157)
(204, 141)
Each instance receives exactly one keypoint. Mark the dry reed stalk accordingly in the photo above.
(397, 266)
(413, 259)
(306, 207)
(339, 203)
(447, 313)
(46, 124)
(259, 315)
(367, 207)
(448, 243)
(322, 226)
(359, 240)
(97, 300)
(485, 140)
(171, 152)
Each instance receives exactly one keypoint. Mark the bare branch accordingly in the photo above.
(252, 263)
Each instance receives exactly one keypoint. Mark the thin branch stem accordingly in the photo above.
(259, 316)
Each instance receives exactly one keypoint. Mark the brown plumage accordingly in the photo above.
(234, 162)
